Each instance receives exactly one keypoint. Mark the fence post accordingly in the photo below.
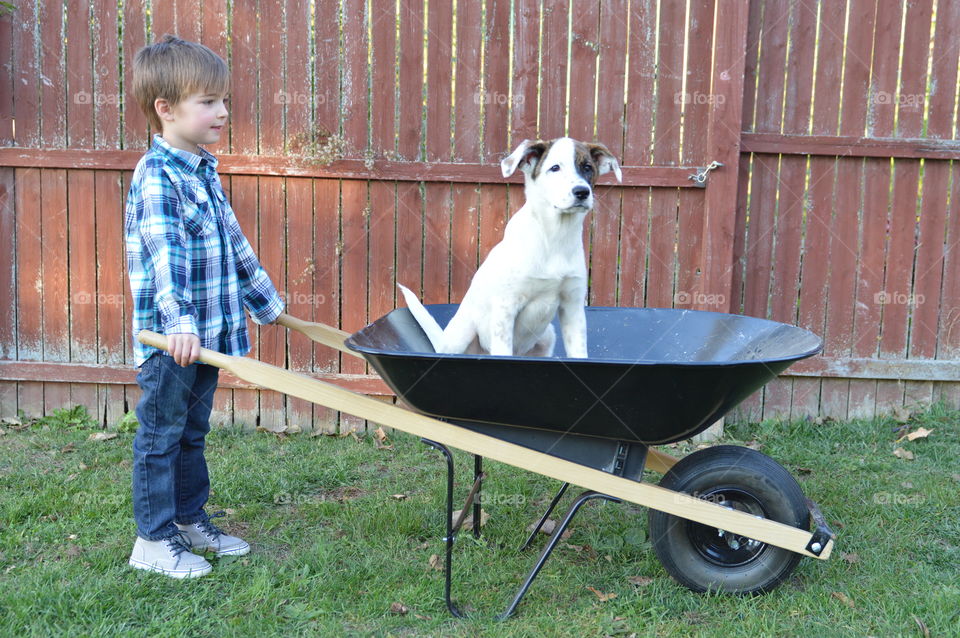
(715, 267)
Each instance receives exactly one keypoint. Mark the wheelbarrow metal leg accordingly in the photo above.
(548, 549)
(543, 519)
(449, 537)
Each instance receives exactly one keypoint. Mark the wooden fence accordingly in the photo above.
(363, 149)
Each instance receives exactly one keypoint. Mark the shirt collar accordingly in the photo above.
(185, 160)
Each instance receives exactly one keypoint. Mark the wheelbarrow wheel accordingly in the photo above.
(705, 558)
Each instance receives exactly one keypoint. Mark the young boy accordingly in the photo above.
(191, 273)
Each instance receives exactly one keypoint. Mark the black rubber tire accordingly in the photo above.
(703, 559)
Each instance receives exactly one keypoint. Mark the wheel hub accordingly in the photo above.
(719, 546)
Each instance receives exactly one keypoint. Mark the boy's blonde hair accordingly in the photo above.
(174, 69)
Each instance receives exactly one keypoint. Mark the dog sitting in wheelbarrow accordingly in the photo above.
(538, 270)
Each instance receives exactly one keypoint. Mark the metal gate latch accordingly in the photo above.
(700, 179)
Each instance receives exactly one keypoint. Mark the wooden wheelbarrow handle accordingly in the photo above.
(676, 503)
(319, 332)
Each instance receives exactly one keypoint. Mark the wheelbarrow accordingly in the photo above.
(724, 518)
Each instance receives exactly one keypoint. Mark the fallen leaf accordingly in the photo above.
(293, 428)
(547, 528)
(423, 617)
(399, 608)
(423, 545)
(83, 466)
(804, 470)
(69, 447)
(923, 627)
(754, 445)
(399, 497)
(72, 537)
(603, 597)
(900, 453)
(102, 436)
(435, 562)
(852, 558)
(640, 581)
(380, 438)
(843, 598)
(919, 433)
(468, 521)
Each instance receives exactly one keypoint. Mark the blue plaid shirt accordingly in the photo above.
(191, 268)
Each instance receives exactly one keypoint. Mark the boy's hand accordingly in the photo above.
(184, 347)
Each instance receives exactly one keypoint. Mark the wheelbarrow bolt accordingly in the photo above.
(816, 547)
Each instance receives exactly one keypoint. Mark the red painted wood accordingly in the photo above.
(553, 69)
(526, 31)
(695, 220)
(638, 133)
(605, 221)
(135, 133)
(25, 75)
(54, 283)
(85, 298)
(496, 97)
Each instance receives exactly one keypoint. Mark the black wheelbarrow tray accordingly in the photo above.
(724, 518)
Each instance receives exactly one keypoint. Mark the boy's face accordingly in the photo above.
(199, 118)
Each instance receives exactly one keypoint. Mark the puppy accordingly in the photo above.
(538, 270)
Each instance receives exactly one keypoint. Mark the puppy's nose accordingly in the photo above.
(581, 192)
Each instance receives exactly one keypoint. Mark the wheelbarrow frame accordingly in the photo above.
(440, 434)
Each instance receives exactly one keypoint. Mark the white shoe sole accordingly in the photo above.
(172, 573)
(235, 551)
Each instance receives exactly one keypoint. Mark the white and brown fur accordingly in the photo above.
(538, 270)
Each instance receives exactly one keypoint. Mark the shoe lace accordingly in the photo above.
(208, 529)
(178, 543)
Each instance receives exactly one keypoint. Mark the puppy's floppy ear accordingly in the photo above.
(605, 160)
(528, 153)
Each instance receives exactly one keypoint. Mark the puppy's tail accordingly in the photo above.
(424, 318)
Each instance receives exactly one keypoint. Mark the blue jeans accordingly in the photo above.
(170, 480)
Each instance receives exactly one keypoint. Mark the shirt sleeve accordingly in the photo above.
(258, 293)
(165, 250)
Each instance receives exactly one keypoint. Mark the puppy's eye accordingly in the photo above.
(587, 168)
(554, 168)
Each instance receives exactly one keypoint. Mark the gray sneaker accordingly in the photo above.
(204, 535)
(170, 556)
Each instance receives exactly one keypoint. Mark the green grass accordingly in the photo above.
(332, 548)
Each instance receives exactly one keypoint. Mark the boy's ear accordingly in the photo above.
(164, 111)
